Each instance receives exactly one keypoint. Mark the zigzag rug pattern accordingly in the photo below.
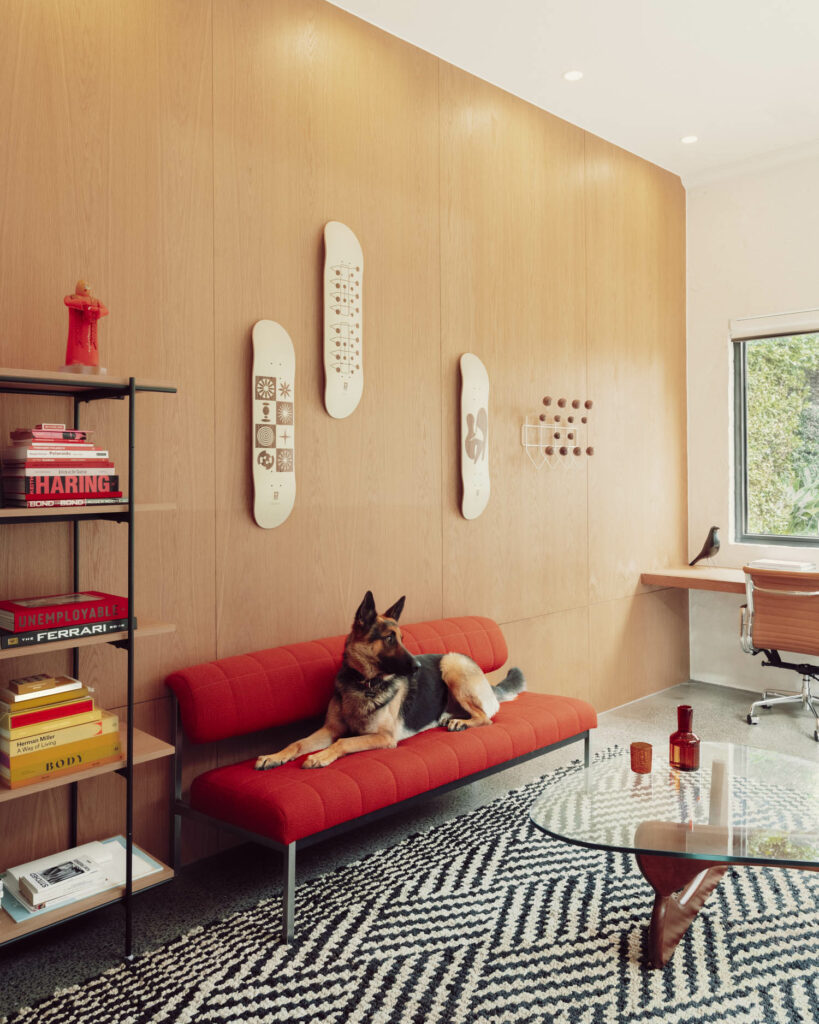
(482, 920)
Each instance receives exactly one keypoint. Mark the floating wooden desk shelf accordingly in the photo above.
(695, 577)
(146, 748)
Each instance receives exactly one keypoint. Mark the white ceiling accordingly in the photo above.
(739, 74)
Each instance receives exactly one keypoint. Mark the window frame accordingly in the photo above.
(741, 536)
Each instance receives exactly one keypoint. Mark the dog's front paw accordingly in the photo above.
(456, 725)
(265, 761)
(318, 760)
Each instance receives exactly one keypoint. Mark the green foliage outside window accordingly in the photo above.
(782, 421)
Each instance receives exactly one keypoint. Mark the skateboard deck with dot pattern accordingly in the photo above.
(343, 319)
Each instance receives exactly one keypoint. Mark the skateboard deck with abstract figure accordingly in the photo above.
(474, 436)
(343, 318)
(273, 421)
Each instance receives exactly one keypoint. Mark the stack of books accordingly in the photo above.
(50, 726)
(49, 466)
(27, 621)
(63, 878)
(73, 877)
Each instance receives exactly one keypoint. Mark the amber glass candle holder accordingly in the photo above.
(684, 745)
(641, 758)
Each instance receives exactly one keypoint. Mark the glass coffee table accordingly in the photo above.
(685, 829)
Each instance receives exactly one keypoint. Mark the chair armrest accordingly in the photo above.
(745, 623)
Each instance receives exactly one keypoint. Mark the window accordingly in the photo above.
(776, 454)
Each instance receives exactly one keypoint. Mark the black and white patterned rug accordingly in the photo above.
(483, 920)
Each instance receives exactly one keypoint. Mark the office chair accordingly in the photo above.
(782, 613)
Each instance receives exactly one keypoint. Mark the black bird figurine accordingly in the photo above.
(711, 545)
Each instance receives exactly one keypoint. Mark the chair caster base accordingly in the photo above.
(752, 720)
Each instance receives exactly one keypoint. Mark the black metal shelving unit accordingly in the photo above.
(82, 389)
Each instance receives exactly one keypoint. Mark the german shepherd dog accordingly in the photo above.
(384, 694)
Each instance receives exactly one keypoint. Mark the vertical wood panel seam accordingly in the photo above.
(213, 314)
(587, 652)
(589, 680)
(12, 106)
(588, 372)
(441, 402)
(110, 162)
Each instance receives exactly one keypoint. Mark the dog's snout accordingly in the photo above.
(416, 664)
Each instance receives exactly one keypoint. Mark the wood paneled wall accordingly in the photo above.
(184, 155)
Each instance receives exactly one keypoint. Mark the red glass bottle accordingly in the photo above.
(684, 746)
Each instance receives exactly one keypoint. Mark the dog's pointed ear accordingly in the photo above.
(365, 616)
(395, 611)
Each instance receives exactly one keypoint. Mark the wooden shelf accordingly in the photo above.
(11, 930)
(696, 577)
(143, 630)
(84, 511)
(146, 748)
(44, 381)
(82, 388)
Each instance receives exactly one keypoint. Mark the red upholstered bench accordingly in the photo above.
(286, 806)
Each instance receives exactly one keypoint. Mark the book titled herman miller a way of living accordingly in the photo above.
(51, 726)
(36, 620)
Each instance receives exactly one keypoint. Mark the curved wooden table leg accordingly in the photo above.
(674, 910)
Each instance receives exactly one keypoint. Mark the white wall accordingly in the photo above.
(753, 249)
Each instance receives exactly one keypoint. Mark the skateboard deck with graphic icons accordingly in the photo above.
(474, 436)
(343, 320)
(273, 394)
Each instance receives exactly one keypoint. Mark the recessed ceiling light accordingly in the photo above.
(573, 76)
(688, 139)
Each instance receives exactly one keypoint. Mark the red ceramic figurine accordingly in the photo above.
(81, 353)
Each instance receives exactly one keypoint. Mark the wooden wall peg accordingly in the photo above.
(540, 432)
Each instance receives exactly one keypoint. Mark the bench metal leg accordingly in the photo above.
(176, 823)
(177, 843)
(288, 891)
(587, 750)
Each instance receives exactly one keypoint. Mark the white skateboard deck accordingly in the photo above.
(474, 436)
(343, 319)
(273, 410)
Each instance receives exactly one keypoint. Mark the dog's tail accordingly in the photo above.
(510, 687)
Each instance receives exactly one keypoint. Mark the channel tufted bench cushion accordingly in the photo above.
(290, 802)
(250, 692)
